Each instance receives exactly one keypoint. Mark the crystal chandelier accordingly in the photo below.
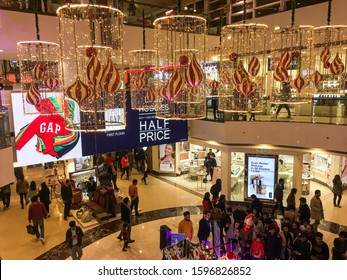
(91, 41)
(180, 45)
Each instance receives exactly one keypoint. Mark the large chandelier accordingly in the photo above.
(242, 67)
(212, 71)
(141, 78)
(291, 63)
(91, 41)
(180, 46)
(40, 75)
(330, 53)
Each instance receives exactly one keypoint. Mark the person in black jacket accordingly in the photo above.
(302, 247)
(273, 244)
(125, 213)
(216, 189)
(256, 204)
(66, 195)
(44, 195)
(204, 227)
(304, 211)
(279, 188)
(74, 238)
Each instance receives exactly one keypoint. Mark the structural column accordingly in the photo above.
(297, 175)
(226, 175)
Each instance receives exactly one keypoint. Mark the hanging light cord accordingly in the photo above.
(293, 11)
(143, 30)
(37, 23)
(244, 17)
(329, 12)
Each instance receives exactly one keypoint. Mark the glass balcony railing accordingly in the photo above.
(328, 109)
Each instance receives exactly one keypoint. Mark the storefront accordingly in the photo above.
(253, 170)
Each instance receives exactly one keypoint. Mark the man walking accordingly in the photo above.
(134, 196)
(37, 212)
(279, 188)
(125, 213)
(316, 206)
(74, 238)
(66, 195)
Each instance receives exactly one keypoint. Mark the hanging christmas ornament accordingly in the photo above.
(91, 52)
(285, 60)
(94, 70)
(33, 96)
(194, 76)
(213, 84)
(336, 66)
(183, 60)
(299, 83)
(150, 93)
(78, 91)
(254, 66)
(51, 82)
(233, 57)
(175, 84)
(110, 80)
(316, 78)
(39, 71)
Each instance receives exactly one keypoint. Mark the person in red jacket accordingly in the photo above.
(257, 248)
(37, 212)
(125, 166)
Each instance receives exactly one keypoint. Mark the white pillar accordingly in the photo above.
(226, 175)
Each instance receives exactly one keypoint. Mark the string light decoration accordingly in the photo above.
(212, 71)
(291, 63)
(330, 57)
(180, 45)
(242, 67)
(142, 87)
(91, 41)
(40, 75)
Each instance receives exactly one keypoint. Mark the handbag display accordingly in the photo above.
(30, 229)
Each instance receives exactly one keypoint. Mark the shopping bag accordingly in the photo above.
(30, 229)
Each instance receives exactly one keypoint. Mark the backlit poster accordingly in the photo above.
(43, 137)
(142, 129)
(167, 157)
(261, 176)
(344, 170)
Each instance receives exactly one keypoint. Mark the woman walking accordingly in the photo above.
(22, 187)
(337, 190)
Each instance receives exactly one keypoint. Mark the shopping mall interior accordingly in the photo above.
(253, 142)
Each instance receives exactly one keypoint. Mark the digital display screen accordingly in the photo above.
(261, 176)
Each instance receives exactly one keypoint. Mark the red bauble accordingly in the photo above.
(42, 67)
(295, 54)
(233, 56)
(147, 67)
(326, 65)
(183, 59)
(91, 51)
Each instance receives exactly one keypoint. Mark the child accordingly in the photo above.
(257, 249)
(125, 233)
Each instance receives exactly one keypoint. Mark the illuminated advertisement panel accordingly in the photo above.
(43, 137)
(261, 176)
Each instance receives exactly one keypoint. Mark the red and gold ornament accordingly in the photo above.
(254, 66)
(280, 73)
(183, 60)
(285, 60)
(51, 82)
(233, 56)
(336, 66)
(94, 70)
(213, 84)
(110, 79)
(194, 76)
(175, 84)
(39, 70)
(299, 83)
(150, 93)
(316, 78)
(33, 95)
(78, 91)
(91, 52)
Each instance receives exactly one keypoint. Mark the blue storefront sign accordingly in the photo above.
(142, 129)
